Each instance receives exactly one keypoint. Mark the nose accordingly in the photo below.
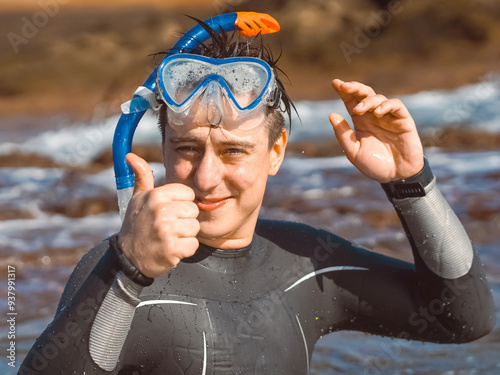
(209, 172)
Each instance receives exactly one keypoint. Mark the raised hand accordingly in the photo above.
(384, 145)
(160, 225)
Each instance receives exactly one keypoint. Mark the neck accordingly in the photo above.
(227, 243)
(239, 238)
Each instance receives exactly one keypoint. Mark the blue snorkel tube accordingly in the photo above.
(245, 23)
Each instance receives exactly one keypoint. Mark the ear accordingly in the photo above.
(278, 153)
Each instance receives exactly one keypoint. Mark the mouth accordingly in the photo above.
(210, 204)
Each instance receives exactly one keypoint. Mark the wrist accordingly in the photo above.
(126, 265)
(411, 187)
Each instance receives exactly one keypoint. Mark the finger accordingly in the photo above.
(345, 135)
(189, 245)
(170, 230)
(181, 209)
(190, 228)
(185, 247)
(143, 175)
(181, 228)
(393, 106)
(369, 104)
(351, 93)
(177, 192)
(349, 100)
(356, 89)
(337, 83)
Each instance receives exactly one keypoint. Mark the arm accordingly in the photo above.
(94, 316)
(445, 298)
(435, 233)
(91, 323)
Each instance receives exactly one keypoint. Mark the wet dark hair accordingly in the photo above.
(222, 45)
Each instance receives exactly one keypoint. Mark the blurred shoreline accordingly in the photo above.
(73, 56)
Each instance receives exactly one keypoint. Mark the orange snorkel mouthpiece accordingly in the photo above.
(253, 23)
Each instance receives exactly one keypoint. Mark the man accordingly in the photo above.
(196, 283)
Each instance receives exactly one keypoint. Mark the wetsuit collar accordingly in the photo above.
(205, 250)
(231, 261)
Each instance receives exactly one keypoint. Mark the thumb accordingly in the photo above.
(345, 135)
(143, 175)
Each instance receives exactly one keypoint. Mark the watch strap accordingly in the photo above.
(126, 265)
(412, 187)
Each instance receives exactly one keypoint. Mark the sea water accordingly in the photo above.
(49, 217)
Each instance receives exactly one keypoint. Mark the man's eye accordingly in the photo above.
(234, 151)
(186, 150)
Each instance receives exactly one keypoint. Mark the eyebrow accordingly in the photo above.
(185, 139)
(238, 143)
(224, 143)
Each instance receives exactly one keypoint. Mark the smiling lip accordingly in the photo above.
(206, 204)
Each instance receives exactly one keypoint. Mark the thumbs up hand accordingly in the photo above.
(160, 225)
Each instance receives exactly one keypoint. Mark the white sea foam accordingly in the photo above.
(56, 231)
(19, 183)
(444, 163)
(80, 143)
(465, 163)
(473, 105)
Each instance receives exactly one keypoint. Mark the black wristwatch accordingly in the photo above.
(412, 187)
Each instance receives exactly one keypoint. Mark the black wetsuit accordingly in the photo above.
(261, 309)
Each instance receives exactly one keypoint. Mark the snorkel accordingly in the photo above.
(245, 23)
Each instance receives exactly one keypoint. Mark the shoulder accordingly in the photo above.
(299, 238)
(323, 247)
(278, 229)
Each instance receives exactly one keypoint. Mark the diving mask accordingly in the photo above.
(200, 91)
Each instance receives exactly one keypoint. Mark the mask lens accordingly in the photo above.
(202, 91)
(182, 77)
(246, 82)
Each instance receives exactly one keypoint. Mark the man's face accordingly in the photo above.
(228, 172)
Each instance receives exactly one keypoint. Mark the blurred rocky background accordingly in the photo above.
(76, 56)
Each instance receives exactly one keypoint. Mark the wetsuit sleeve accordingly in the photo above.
(92, 321)
(444, 297)
(436, 234)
